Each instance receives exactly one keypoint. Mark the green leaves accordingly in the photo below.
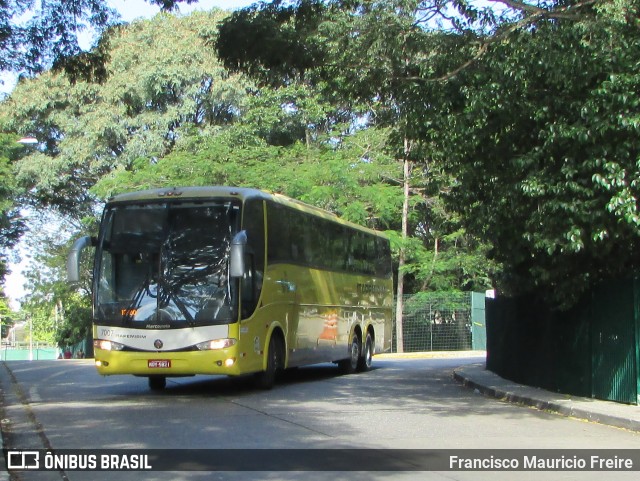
(337, 178)
(37, 35)
(12, 224)
(545, 148)
(163, 82)
(273, 42)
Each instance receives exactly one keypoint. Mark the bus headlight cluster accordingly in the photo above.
(216, 344)
(107, 345)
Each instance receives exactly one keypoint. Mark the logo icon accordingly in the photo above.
(23, 460)
(158, 344)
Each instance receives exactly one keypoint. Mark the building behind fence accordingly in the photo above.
(451, 321)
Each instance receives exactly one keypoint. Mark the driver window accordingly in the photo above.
(253, 224)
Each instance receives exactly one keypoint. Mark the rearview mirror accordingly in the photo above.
(236, 256)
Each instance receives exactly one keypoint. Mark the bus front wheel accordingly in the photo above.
(275, 362)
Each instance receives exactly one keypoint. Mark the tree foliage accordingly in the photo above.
(7, 316)
(378, 58)
(11, 222)
(34, 35)
(526, 115)
(162, 84)
(545, 153)
(169, 109)
(348, 178)
(59, 313)
(273, 42)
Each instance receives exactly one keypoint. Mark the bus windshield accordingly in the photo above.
(164, 265)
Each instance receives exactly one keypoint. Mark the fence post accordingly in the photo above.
(478, 322)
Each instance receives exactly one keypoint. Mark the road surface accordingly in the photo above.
(400, 404)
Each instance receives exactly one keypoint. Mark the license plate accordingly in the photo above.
(158, 363)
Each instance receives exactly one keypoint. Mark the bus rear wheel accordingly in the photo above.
(350, 365)
(364, 363)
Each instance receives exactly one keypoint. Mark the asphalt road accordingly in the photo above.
(400, 404)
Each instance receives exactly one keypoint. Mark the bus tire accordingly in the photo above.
(364, 363)
(275, 361)
(350, 365)
(157, 383)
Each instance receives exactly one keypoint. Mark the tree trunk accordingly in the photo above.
(402, 254)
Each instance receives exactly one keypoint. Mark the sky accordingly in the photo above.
(132, 9)
(135, 9)
(129, 10)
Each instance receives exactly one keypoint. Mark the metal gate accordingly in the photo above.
(614, 342)
(437, 321)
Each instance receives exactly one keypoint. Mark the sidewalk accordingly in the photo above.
(476, 376)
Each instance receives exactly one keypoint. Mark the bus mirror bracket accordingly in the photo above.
(73, 260)
(238, 247)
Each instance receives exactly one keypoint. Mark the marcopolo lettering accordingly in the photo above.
(371, 289)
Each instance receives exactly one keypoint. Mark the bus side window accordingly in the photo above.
(383, 266)
(279, 234)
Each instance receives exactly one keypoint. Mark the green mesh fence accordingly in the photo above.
(436, 322)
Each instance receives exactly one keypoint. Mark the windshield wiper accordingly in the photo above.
(132, 308)
(167, 295)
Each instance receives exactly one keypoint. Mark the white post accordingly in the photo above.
(30, 338)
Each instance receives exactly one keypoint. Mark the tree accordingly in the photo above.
(529, 110)
(7, 316)
(275, 43)
(349, 178)
(59, 313)
(49, 34)
(163, 84)
(372, 55)
(11, 222)
(544, 143)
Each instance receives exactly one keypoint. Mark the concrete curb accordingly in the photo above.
(603, 412)
(431, 355)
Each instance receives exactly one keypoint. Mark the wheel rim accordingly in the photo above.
(275, 357)
(368, 355)
(355, 352)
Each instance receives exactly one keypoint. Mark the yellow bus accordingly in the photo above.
(233, 281)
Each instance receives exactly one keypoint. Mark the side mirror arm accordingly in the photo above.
(73, 259)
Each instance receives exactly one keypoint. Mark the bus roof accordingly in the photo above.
(241, 193)
(182, 193)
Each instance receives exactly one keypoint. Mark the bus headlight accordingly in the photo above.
(216, 344)
(107, 345)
